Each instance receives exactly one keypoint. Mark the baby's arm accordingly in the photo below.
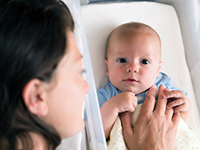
(122, 102)
(180, 102)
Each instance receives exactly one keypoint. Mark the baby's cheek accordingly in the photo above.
(149, 80)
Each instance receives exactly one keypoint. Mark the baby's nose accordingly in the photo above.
(133, 67)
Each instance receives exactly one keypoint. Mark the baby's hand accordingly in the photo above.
(125, 101)
(177, 100)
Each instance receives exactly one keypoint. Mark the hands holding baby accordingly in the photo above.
(164, 118)
(127, 101)
(160, 123)
(179, 102)
(175, 101)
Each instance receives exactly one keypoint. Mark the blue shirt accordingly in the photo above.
(110, 91)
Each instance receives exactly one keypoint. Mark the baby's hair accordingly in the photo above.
(129, 27)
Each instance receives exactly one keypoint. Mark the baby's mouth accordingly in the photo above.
(130, 80)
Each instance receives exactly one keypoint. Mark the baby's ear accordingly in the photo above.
(106, 61)
(159, 67)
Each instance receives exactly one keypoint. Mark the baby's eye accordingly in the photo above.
(122, 60)
(144, 61)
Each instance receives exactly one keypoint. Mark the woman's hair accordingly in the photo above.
(32, 42)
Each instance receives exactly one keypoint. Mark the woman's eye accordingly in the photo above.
(121, 60)
(144, 61)
(83, 71)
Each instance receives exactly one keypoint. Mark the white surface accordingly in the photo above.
(101, 19)
(84, 2)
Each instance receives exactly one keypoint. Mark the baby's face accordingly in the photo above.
(133, 62)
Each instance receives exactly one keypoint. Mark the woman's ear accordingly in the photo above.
(106, 61)
(34, 97)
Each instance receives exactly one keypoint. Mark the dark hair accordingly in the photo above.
(32, 42)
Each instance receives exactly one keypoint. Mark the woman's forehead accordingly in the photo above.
(72, 52)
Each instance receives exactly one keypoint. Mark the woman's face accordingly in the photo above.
(66, 92)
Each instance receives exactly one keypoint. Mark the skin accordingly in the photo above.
(62, 96)
(160, 123)
(179, 102)
(57, 102)
(133, 61)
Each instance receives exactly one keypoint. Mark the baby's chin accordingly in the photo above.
(132, 91)
(136, 92)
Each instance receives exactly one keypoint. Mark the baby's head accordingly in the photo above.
(133, 54)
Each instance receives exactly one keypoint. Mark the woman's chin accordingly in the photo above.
(74, 130)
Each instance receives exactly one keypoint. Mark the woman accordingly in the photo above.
(41, 72)
(37, 50)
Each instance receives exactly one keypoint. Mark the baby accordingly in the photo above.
(133, 59)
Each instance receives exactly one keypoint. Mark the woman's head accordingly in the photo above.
(34, 38)
(63, 97)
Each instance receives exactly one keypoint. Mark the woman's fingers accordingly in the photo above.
(180, 108)
(169, 113)
(173, 94)
(127, 129)
(176, 102)
(149, 102)
(153, 128)
(126, 121)
(176, 119)
(162, 101)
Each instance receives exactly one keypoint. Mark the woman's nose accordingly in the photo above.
(86, 87)
(133, 68)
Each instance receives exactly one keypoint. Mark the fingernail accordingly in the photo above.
(163, 85)
(154, 86)
(165, 89)
(164, 96)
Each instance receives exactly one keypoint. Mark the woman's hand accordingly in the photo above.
(179, 102)
(155, 129)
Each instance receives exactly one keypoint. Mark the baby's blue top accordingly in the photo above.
(109, 91)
